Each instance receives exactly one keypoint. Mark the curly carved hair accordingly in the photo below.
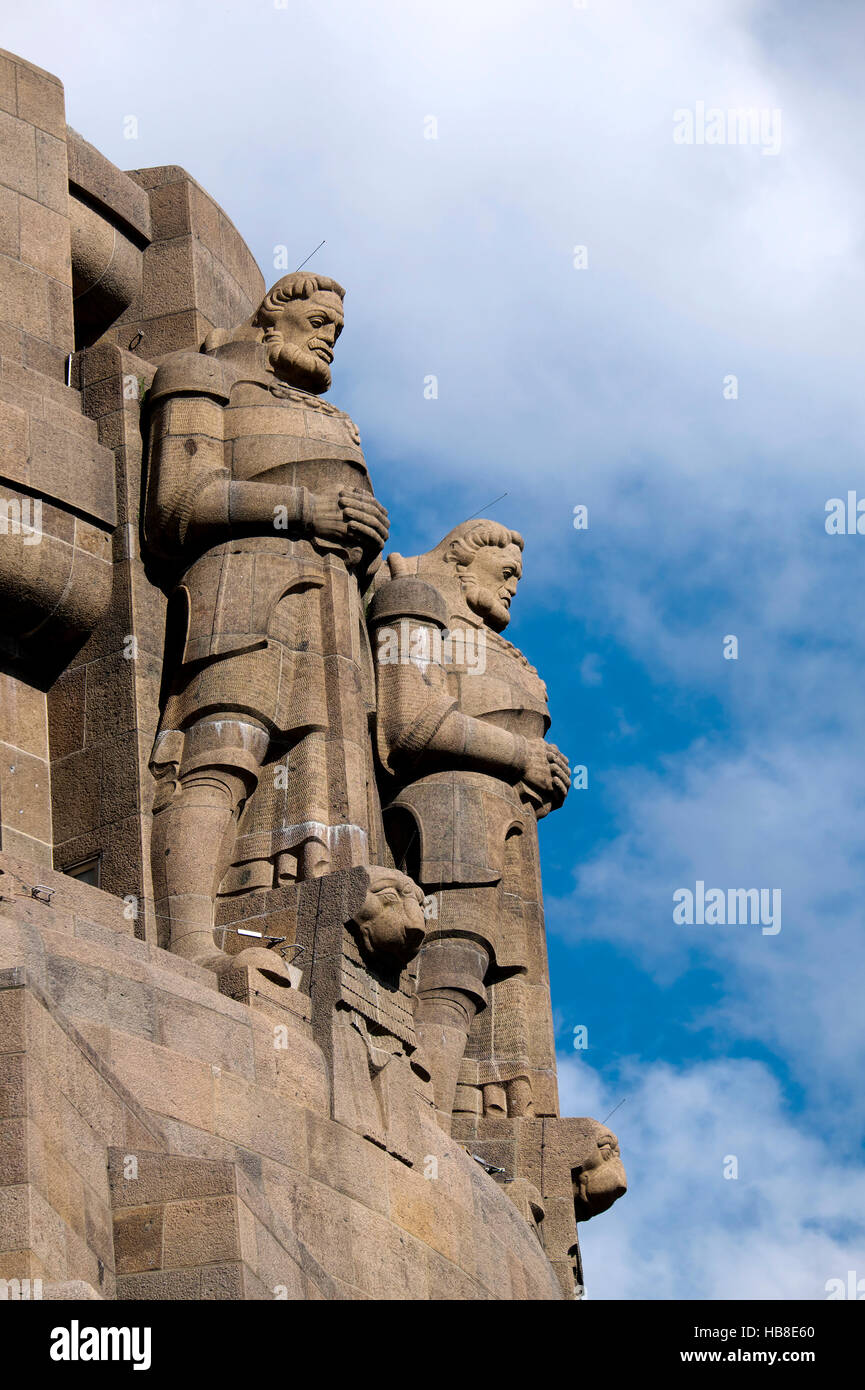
(298, 285)
(462, 549)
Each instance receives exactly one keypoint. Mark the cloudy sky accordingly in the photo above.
(607, 384)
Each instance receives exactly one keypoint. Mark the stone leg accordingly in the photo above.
(194, 829)
(450, 991)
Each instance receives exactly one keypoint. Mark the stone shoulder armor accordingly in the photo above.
(192, 374)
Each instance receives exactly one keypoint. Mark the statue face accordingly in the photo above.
(300, 336)
(391, 923)
(490, 581)
(601, 1178)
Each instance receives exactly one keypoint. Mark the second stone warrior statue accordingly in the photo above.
(261, 512)
(467, 774)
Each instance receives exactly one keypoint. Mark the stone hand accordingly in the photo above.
(350, 515)
(547, 773)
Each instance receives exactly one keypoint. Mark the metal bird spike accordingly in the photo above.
(310, 256)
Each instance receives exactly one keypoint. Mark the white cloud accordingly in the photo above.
(790, 1221)
(769, 819)
(591, 672)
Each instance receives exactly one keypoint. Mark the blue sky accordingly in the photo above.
(603, 386)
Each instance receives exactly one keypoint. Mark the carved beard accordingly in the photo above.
(296, 366)
(485, 603)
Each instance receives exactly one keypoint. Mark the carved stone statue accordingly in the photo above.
(360, 931)
(378, 1075)
(390, 924)
(260, 508)
(599, 1179)
(466, 775)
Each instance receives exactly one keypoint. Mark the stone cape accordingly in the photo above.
(223, 959)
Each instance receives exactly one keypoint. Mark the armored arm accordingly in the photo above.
(190, 492)
(418, 721)
(419, 724)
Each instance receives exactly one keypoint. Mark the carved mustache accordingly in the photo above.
(277, 344)
(320, 349)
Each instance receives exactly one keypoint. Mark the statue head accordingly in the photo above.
(477, 567)
(390, 924)
(599, 1180)
(487, 559)
(301, 318)
(298, 323)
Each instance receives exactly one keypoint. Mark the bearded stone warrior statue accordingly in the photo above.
(466, 774)
(261, 514)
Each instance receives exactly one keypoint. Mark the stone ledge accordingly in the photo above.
(109, 188)
(20, 977)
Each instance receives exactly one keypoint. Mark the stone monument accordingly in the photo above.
(275, 1011)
